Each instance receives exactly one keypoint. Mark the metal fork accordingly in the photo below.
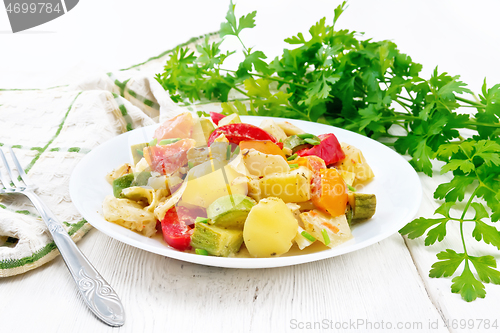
(101, 299)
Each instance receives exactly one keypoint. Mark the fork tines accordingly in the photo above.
(15, 175)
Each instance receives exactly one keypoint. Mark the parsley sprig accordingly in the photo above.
(336, 77)
(477, 164)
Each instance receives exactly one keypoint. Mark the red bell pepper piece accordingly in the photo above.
(216, 117)
(236, 133)
(177, 227)
(329, 149)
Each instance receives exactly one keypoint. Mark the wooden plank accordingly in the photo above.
(379, 283)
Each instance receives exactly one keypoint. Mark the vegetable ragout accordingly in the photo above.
(215, 186)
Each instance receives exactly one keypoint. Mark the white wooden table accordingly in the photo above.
(380, 288)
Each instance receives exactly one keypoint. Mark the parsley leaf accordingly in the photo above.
(467, 285)
(448, 264)
(231, 27)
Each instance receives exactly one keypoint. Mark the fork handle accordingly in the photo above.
(101, 299)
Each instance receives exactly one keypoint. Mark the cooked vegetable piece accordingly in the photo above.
(164, 206)
(272, 128)
(291, 186)
(295, 209)
(355, 162)
(230, 211)
(201, 252)
(120, 183)
(303, 238)
(129, 214)
(177, 228)
(179, 126)
(363, 205)
(295, 143)
(204, 189)
(265, 147)
(236, 133)
(218, 149)
(289, 128)
(216, 117)
(138, 193)
(158, 182)
(349, 177)
(198, 156)
(313, 163)
(168, 158)
(269, 229)
(166, 141)
(202, 128)
(329, 149)
(215, 240)
(318, 223)
(141, 178)
(122, 170)
(142, 165)
(231, 119)
(329, 192)
(137, 151)
(148, 196)
(259, 164)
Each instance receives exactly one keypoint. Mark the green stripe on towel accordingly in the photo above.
(30, 165)
(42, 252)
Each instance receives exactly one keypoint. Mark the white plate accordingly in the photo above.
(396, 185)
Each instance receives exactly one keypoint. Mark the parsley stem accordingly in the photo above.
(466, 208)
(404, 105)
(273, 78)
(399, 117)
(476, 104)
(404, 98)
(475, 123)
(246, 50)
(218, 101)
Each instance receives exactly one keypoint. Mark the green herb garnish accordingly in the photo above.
(201, 252)
(291, 158)
(153, 142)
(326, 238)
(201, 219)
(236, 151)
(294, 165)
(312, 141)
(168, 141)
(350, 188)
(308, 236)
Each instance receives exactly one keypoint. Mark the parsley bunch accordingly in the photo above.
(369, 87)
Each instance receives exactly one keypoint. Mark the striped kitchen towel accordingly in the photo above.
(51, 130)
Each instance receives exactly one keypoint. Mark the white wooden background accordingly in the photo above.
(385, 284)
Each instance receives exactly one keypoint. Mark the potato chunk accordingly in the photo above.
(269, 229)
(129, 214)
(292, 186)
(205, 189)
